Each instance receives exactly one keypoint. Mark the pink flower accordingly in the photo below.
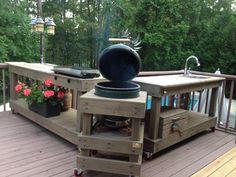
(48, 93)
(60, 94)
(18, 88)
(27, 92)
(48, 82)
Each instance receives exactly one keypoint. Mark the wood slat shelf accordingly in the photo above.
(112, 142)
(63, 125)
(197, 122)
(110, 165)
(159, 134)
(131, 146)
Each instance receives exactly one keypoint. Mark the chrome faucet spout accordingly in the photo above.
(186, 64)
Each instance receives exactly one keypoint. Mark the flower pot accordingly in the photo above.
(67, 101)
(45, 109)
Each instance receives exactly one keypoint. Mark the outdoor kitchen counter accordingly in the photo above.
(44, 71)
(174, 84)
(65, 125)
(169, 85)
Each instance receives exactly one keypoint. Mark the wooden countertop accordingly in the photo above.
(46, 68)
(44, 71)
(176, 80)
(176, 84)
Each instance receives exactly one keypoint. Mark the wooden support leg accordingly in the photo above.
(212, 108)
(135, 135)
(75, 97)
(86, 130)
(153, 127)
(79, 122)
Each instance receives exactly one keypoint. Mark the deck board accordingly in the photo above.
(26, 149)
(225, 165)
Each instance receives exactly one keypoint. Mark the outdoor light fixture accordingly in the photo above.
(41, 27)
(50, 26)
(33, 24)
(38, 25)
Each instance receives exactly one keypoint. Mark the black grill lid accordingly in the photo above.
(119, 63)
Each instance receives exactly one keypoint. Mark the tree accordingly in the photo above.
(16, 41)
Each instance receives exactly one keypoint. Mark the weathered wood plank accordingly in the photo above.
(13, 82)
(212, 106)
(110, 144)
(176, 164)
(108, 165)
(133, 107)
(63, 125)
(223, 165)
(197, 123)
(209, 146)
(175, 84)
(154, 119)
(43, 72)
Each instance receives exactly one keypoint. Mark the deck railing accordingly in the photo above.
(3, 67)
(229, 91)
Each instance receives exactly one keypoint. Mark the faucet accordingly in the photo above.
(186, 64)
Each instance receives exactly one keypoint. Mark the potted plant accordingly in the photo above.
(44, 98)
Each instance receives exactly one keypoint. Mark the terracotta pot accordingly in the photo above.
(67, 101)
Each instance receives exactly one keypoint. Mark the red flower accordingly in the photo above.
(48, 82)
(48, 93)
(60, 94)
(18, 88)
(27, 92)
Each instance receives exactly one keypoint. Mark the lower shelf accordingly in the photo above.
(110, 142)
(197, 123)
(109, 165)
(63, 125)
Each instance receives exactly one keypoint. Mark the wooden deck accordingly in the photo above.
(26, 149)
(225, 165)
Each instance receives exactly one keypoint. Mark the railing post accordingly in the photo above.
(199, 101)
(4, 89)
(192, 105)
(206, 105)
(13, 82)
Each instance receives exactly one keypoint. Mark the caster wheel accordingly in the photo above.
(78, 173)
(93, 152)
(147, 156)
(213, 129)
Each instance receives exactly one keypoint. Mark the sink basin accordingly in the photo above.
(196, 76)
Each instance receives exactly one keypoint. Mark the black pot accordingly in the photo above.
(45, 109)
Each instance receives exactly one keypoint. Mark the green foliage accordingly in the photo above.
(16, 41)
(170, 30)
(173, 29)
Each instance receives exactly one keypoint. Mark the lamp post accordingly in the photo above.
(38, 25)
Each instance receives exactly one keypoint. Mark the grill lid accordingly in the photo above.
(119, 63)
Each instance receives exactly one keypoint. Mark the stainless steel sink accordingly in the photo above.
(196, 76)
